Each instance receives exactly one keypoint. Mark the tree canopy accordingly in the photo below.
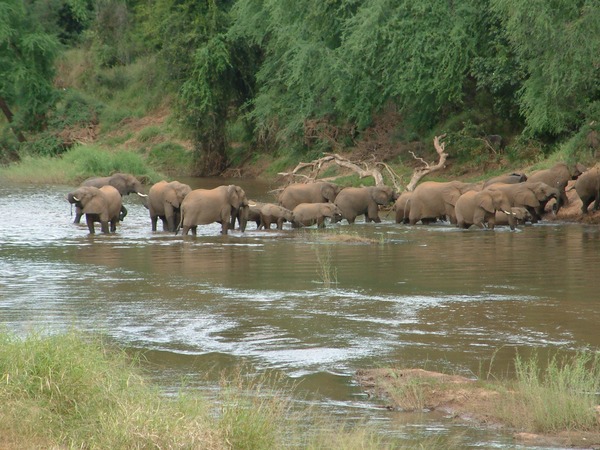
(276, 65)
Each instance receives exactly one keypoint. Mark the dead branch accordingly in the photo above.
(317, 164)
(421, 172)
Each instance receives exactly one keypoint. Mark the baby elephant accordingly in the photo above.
(270, 213)
(521, 216)
(307, 214)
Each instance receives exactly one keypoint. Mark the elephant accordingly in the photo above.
(307, 214)
(164, 202)
(529, 195)
(479, 208)
(99, 205)
(253, 213)
(125, 183)
(223, 204)
(433, 200)
(511, 178)
(587, 187)
(270, 213)
(318, 192)
(520, 214)
(402, 207)
(558, 177)
(354, 201)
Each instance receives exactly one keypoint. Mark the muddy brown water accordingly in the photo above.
(311, 309)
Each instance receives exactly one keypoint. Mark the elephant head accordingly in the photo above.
(329, 191)
(382, 195)
(239, 206)
(99, 205)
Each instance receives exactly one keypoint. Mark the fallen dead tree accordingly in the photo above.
(311, 170)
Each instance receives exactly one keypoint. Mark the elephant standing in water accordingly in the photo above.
(307, 214)
(99, 205)
(479, 208)
(164, 201)
(588, 189)
(557, 177)
(529, 195)
(354, 202)
(433, 200)
(402, 207)
(125, 183)
(223, 204)
(319, 192)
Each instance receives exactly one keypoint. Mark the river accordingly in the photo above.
(310, 308)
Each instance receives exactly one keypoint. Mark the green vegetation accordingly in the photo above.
(291, 80)
(76, 391)
(78, 164)
(559, 394)
(547, 397)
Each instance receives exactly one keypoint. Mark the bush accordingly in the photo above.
(171, 158)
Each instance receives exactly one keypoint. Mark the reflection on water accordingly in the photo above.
(430, 296)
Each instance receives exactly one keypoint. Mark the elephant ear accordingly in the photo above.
(526, 197)
(381, 195)
(452, 196)
(93, 202)
(172, 198)
(328, 191)
(236, 196)
(486, 202)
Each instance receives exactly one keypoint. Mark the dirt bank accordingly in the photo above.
(462, 399)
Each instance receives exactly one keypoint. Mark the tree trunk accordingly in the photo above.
(9, 116)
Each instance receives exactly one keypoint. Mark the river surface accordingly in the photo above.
(310, 308)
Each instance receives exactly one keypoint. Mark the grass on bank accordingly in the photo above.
(77, 164)
(560, 394)
(73, 391)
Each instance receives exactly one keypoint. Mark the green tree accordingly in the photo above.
(212, 73)
(557, 43)
(26, 68)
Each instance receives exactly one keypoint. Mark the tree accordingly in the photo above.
(26, 69)
(558, 45)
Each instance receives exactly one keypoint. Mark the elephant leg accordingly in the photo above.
(225, 227)
(89, 219)
(113, 226)
(78, 214)
(320, 222)
(105, 227)
(184, 230)
(166, 225)
(280, 223)
(154, 220)
(123, 213)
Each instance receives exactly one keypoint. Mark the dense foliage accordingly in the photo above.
(273, 67)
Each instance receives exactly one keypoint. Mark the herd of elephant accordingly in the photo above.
(505, 200)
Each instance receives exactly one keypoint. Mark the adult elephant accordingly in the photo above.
(164, 202)
(433, 200)
(125, 183)
(223, 204)
(587, 187)
(529, 195)
(479, 208)
(307, 214)
(557, 177)
(354, 202)
(511, 178)
(402, 207)
(99, 205)
(318, 192)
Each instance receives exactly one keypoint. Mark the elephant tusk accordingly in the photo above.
(508, 213)
(141, 195)
(76, 199)
(251, 204)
